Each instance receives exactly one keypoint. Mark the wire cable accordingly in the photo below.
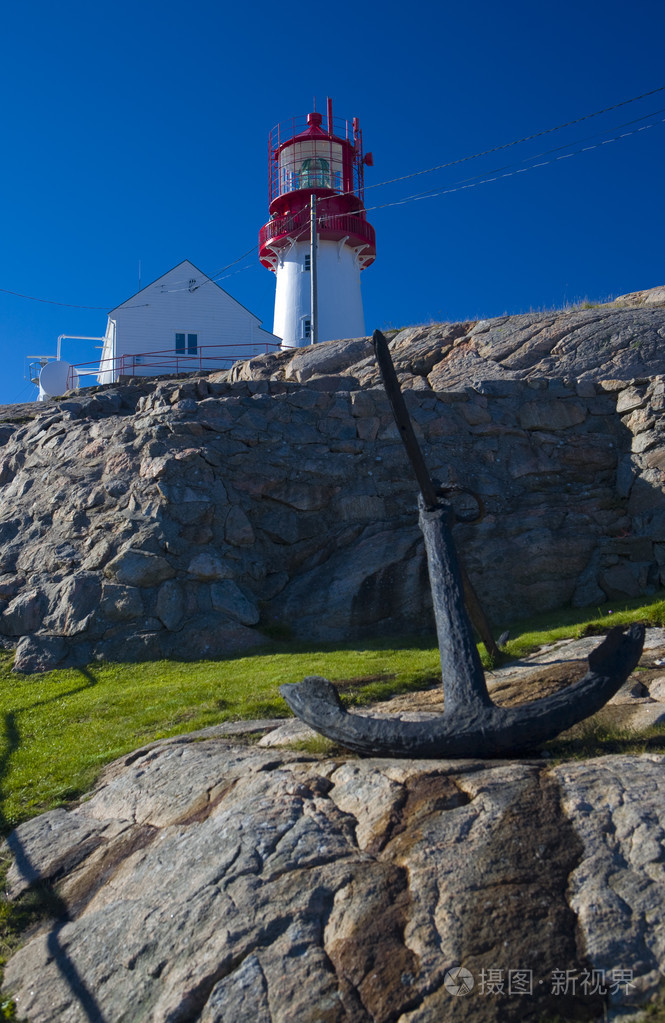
(545, 152)
(517, 142)
(49, 301)
(460, 187)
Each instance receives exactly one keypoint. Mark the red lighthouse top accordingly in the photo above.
(327, 160)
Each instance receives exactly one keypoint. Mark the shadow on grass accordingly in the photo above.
(41, 902)
(288, 645)
(598, 741)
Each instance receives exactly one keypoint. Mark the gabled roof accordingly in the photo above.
(187, 267)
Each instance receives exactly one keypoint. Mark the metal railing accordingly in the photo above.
(347, 223)
(339, 127)
(287, 130)
(167, 361)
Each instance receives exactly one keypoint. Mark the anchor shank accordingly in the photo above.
(462, 672)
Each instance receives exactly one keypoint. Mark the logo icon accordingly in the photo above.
(458, 981)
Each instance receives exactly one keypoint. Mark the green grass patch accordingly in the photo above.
(60, 728)
(529, 634)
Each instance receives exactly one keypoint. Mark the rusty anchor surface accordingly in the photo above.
(471, 724)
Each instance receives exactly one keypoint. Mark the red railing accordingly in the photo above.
(343, 224)
(166, 362)
(287, 130)
(339, 127)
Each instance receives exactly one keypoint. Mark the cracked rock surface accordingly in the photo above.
(209, 880)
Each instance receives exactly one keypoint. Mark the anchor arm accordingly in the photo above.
(483, 731)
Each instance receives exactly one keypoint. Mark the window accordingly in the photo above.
(315, 173)
(308, 263)
(312, 164)
(307, 329)
(186, 342)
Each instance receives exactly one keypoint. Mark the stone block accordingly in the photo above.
(361, 507)
(139, 568)
(228, 598)
(121, 603)
(585, 388)
(302, 496)
(362, 404)
(24, 614)
(238, 529)
(170, 605)
(75, 605)
(10, 585)
(625, 579)
(330, 384)
(474, 413)
(626, 473)
(655, 458)
(332, 357)
(39, 653)
(367, 429)
(643, 441)
(558, 414)
(208, 567)
(631, 398)
(657, 689)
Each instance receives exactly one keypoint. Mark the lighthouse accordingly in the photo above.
(317, 239)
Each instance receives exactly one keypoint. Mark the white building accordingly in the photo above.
(182, 322)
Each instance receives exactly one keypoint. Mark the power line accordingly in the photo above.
(517, 142)
(49, 301)
(19, 396)
(546, 152)
(460, 187)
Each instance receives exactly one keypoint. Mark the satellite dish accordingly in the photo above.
(56, 378)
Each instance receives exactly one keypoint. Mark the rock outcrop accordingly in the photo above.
(207, 880)
(222, 877)
(194, 517)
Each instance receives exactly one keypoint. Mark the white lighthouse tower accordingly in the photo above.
(317, 239)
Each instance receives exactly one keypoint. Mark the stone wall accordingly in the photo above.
(191, 518)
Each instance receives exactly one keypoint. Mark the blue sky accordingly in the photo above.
(138, 132)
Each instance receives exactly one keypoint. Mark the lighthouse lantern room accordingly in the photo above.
(317, 239)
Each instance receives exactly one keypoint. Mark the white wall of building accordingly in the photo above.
(339, 298)
(141, 333)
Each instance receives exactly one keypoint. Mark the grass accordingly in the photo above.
(574, 623)
(594, 739)
(60, 728)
